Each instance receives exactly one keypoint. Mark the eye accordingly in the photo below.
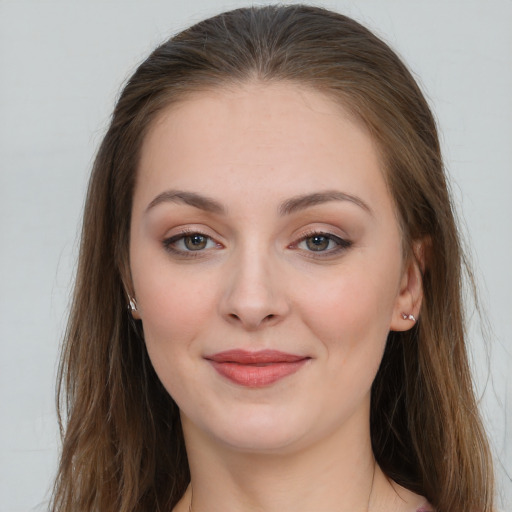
(323, 242)
(189, 242)
(318, 243)
(195, 242)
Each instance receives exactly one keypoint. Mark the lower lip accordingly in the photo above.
(257, 376)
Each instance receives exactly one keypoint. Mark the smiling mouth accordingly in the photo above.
(256, 369)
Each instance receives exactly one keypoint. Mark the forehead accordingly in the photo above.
(258, 137)
(269, 107)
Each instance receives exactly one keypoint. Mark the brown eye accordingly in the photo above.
(325, 244)
(317, 243)
(195, 242)
(187, 243)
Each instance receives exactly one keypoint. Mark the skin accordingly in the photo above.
(256, 283)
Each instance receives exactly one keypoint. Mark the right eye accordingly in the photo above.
(183, 243)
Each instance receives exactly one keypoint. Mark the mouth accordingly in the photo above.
(256, 369)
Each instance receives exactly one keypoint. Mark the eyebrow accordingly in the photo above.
(191, 198)
(308, 200)
(288, 207)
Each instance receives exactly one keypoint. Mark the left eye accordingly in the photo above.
(190, 242)
(321, 242)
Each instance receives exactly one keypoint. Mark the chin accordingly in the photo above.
(260, 440)
(254, 430)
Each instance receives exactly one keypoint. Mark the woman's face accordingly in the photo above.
(266, 263)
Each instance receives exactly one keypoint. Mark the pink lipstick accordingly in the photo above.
(256, 369)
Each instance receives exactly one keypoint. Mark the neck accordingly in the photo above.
(337, 474)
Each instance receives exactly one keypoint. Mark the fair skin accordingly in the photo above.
(261, 221)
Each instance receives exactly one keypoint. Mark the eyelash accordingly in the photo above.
(169, 242)
(342, 244)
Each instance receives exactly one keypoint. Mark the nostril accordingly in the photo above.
(248, 321)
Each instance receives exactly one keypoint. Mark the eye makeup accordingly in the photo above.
(192, 243)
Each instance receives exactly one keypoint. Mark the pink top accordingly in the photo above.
(426, 507)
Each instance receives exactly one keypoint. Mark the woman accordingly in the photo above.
(270, 202)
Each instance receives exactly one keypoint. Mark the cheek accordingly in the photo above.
(174, 307)
(351, 313)
(174, 303)
(175, 311)
(351, 317)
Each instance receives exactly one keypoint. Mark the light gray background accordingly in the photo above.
(61, 66)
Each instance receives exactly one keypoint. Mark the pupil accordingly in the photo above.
(195, 242)
(317, 243)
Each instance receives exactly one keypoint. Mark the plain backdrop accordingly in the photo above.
(61, 67)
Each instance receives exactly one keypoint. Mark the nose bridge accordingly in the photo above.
(253, 295)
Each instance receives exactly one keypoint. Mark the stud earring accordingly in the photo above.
(405, 316)
(132, 306)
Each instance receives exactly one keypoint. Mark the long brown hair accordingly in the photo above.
(123, 448)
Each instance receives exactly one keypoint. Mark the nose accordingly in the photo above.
(254, 296)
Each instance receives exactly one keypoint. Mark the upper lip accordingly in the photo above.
(254, 357)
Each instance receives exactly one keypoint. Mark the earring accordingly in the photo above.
(405, 316)
(132, 304)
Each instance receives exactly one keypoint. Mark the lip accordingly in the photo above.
(256, 369)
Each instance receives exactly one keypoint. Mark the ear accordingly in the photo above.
(410, 296)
